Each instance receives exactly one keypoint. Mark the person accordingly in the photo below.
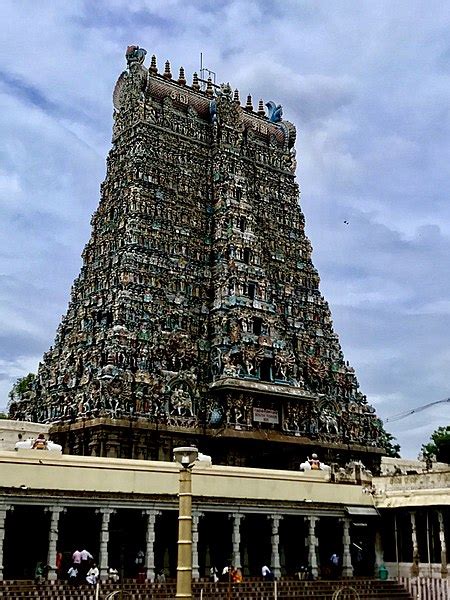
(85, 560)
(236, 575)
(76, 558)
(334, 563)
(58, 563)
(73, 574)
(139, 560)
(39, 572)
(358, 557)
(92, 574)
(113, 575)
(314, 462)
(301, 573)
(226, 571)
(40, 443)
(161, 576)
(214, 574)
(267, 573)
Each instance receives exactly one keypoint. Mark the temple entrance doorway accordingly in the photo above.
(255, 544)
(166, 530)
(329, 534)
(26, 541)
(79, 528)
(126, 548)
(293, 551)
(214, 546)
(362, 537)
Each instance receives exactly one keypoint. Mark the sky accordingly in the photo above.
(367, 84)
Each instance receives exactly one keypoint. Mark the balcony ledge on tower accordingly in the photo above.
(261, 387)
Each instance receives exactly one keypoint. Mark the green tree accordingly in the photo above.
(439, 445)
(392, 450)
(22, 386)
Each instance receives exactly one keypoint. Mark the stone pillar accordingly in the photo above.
(275, 541)
(347, 567)
(196, 516)
(55, 512)
(236, 539)
(416, 559)
(103, 558)
(150, 538)
(379, 551)
(444, 568)
(312, 544)
(4, 508)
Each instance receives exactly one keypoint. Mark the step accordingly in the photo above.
(249, 589)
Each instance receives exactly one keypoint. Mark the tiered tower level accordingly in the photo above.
(197, 315)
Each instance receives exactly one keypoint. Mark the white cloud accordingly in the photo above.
(368, 91)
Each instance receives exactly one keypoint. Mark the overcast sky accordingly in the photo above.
(367, 84)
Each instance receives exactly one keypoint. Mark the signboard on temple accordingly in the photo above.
(265, 415)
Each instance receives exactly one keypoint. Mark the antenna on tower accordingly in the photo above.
(205, 75)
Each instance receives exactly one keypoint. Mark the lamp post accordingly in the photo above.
(185, 456)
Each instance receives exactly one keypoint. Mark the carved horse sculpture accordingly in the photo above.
(328, 421)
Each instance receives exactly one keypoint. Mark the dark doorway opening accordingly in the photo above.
(26, 541)
(329, 533)
(257, 550)
(293, 551)
(214, 548)
(126, 547)
(265, 370)
(362, 548)
(257, 325)
(166, 543)
(79, 529)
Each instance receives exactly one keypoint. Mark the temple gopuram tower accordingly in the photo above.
(197, 316)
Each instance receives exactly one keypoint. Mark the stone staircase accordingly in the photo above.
(352, 589)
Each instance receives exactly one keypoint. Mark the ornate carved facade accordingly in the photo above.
(197, 315)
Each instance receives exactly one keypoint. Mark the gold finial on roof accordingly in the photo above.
(261, 110)
(195, 83)
(153, 67)
(249, 104)
(236, 96)
(209, 87)
(181, 77)
(167, 74)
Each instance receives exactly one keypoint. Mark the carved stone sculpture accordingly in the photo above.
(198, 305)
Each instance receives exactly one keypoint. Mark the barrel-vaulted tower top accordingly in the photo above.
(197, 311)
(200, 97)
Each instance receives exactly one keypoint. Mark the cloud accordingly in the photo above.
(368, 90)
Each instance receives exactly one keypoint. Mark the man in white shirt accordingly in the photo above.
(85, 555)
(76, 557)
(73, 574)
(266, 573)
(85, 558)
(92, 575)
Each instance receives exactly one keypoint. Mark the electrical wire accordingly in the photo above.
(418, 409)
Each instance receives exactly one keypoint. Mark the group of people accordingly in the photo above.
(229, 574)
(83, 568)
(234, 575)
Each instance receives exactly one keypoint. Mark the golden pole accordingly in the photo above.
(184, 565)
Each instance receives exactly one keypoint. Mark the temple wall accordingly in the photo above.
(14, 431)
(99, 475)
(421, 489)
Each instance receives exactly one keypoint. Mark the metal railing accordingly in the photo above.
(346, 593)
